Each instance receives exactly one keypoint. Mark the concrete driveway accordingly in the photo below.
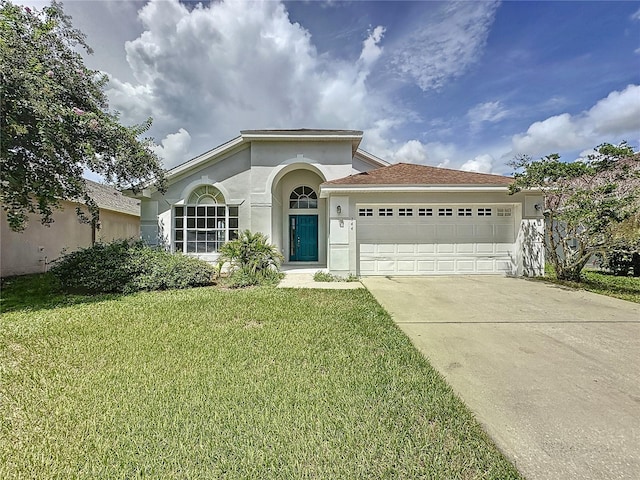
(552, 374)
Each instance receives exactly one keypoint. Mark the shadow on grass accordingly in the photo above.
(41, 292)
(603, 283)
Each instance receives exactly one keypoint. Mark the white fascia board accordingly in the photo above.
(370, 158)
(298, 138)
(225, 147)
(148, 188)
(334, 189)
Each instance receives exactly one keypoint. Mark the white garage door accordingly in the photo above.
(435, 239)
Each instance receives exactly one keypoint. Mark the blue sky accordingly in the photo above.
(463, 85)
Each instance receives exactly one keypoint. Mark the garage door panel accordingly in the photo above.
(484, 233)
(504, 233)
(465, 266)
(426, 233)
(485, 265)
(426, 266)
(465, 248)
(386, 248)
(464, 231)
(367, 248)
(406, 266)
(503, 248)
(386, 266)
(426, 248)
(485, 248)
(445, 233)
(406, 248)
(445, 248)
(446, 266)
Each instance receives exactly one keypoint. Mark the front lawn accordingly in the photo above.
(626, 288)
(210, 383)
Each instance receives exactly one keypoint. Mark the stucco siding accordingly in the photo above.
(32, 250)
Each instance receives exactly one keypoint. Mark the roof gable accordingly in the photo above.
(411, 174)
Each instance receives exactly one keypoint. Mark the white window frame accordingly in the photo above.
(204, 223)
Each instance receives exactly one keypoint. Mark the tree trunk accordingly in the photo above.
(635, 261)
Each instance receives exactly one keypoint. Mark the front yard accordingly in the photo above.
(626, 288)
(208, 383)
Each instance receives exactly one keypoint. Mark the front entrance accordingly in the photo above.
(303, 238)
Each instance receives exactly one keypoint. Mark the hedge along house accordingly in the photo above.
(326, 203)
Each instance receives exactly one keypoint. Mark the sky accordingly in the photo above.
(465, 85)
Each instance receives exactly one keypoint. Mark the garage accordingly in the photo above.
(407, 219)
(431, 239)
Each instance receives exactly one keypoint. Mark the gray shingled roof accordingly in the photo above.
(109, 198)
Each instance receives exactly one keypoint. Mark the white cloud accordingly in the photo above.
(445, 43)
(481, 164)
(174, 147)
(488, 112)
(412, 151)
(611, 119)
(636, 15)
(215, 70)
(370, 47)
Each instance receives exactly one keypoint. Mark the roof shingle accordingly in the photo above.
(410, 174)
(111, 199)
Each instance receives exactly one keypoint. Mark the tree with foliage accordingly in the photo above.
(55, 121)
(585, 202)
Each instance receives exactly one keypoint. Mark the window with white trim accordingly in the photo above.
(365, 212)
(484, 212)
(425, 212)
(385, 212)
(503, 212)
(464, 212)
(445, 212)
(405, 212)
(303, 197)
(205, 223)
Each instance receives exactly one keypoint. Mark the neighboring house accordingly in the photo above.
(326, 203)
(31, 250)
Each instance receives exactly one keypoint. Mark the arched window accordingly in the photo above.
(206, 195)
(303, 197)
(205, 223)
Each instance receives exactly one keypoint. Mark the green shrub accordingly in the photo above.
(251, 260)
(622, 261)
(128, 266)
(321, 276)
(161, 270)
(104, 267)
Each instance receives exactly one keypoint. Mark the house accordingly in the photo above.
(33, 249)
(325, 202)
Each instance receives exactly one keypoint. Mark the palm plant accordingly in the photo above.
(251, 258)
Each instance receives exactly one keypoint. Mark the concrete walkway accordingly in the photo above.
(303, 278)
(552, 374)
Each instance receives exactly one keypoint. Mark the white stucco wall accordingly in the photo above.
(258, 177)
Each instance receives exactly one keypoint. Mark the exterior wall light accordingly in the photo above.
(339, 208)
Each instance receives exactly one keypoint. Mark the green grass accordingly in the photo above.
(626, 288)
(211, 383)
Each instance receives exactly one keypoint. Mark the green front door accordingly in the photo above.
(303, 238)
